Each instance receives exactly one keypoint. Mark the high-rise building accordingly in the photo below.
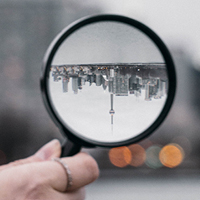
(75, 84)
(121, 84)
(65, 81)
(98, 78)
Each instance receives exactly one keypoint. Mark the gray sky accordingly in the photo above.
(175, 21)
(107, 42)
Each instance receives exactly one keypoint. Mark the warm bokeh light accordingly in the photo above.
(146, 143)
(171, 155)
(152, 157)
(184, 143)
(138, 155)
(120, 156)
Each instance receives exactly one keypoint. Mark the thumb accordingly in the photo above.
(50, 150)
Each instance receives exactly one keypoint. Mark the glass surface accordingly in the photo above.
(108, 82)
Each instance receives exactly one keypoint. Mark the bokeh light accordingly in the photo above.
(171, 155)
(152, 157)
(138, 155)
(120, 156)
(184, 143)
(146, 143)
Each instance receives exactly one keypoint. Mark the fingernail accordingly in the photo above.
(49, 150)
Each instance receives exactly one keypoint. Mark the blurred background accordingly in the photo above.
(166, 165)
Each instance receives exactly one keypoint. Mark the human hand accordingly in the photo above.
(38, 177)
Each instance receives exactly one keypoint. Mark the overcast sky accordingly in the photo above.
(175, 21)
(107, 42)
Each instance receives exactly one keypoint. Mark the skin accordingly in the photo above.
(39, 178)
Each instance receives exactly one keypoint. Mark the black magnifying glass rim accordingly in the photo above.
(51, 51)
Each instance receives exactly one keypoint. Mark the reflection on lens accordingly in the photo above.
(138, 155)
(120, 156)
(152, 157)
(171, 155)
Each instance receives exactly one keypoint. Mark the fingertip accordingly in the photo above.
(50, 150)
(89, 166)
(92, 167)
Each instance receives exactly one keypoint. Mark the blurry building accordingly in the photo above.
(27, 28)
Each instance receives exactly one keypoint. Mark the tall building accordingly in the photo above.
(121, 84)
(75, 84)
(65, 81)
(98, 78)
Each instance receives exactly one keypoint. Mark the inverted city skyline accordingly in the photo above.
(120, 79)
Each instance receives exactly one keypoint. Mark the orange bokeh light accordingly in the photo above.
(120, 156)
(138, 155)
(171, 155)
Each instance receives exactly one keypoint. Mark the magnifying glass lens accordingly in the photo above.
(107, 82)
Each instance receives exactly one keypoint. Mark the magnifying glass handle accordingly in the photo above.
(69, 148)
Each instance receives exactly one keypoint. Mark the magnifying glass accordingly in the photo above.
(108, 81)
